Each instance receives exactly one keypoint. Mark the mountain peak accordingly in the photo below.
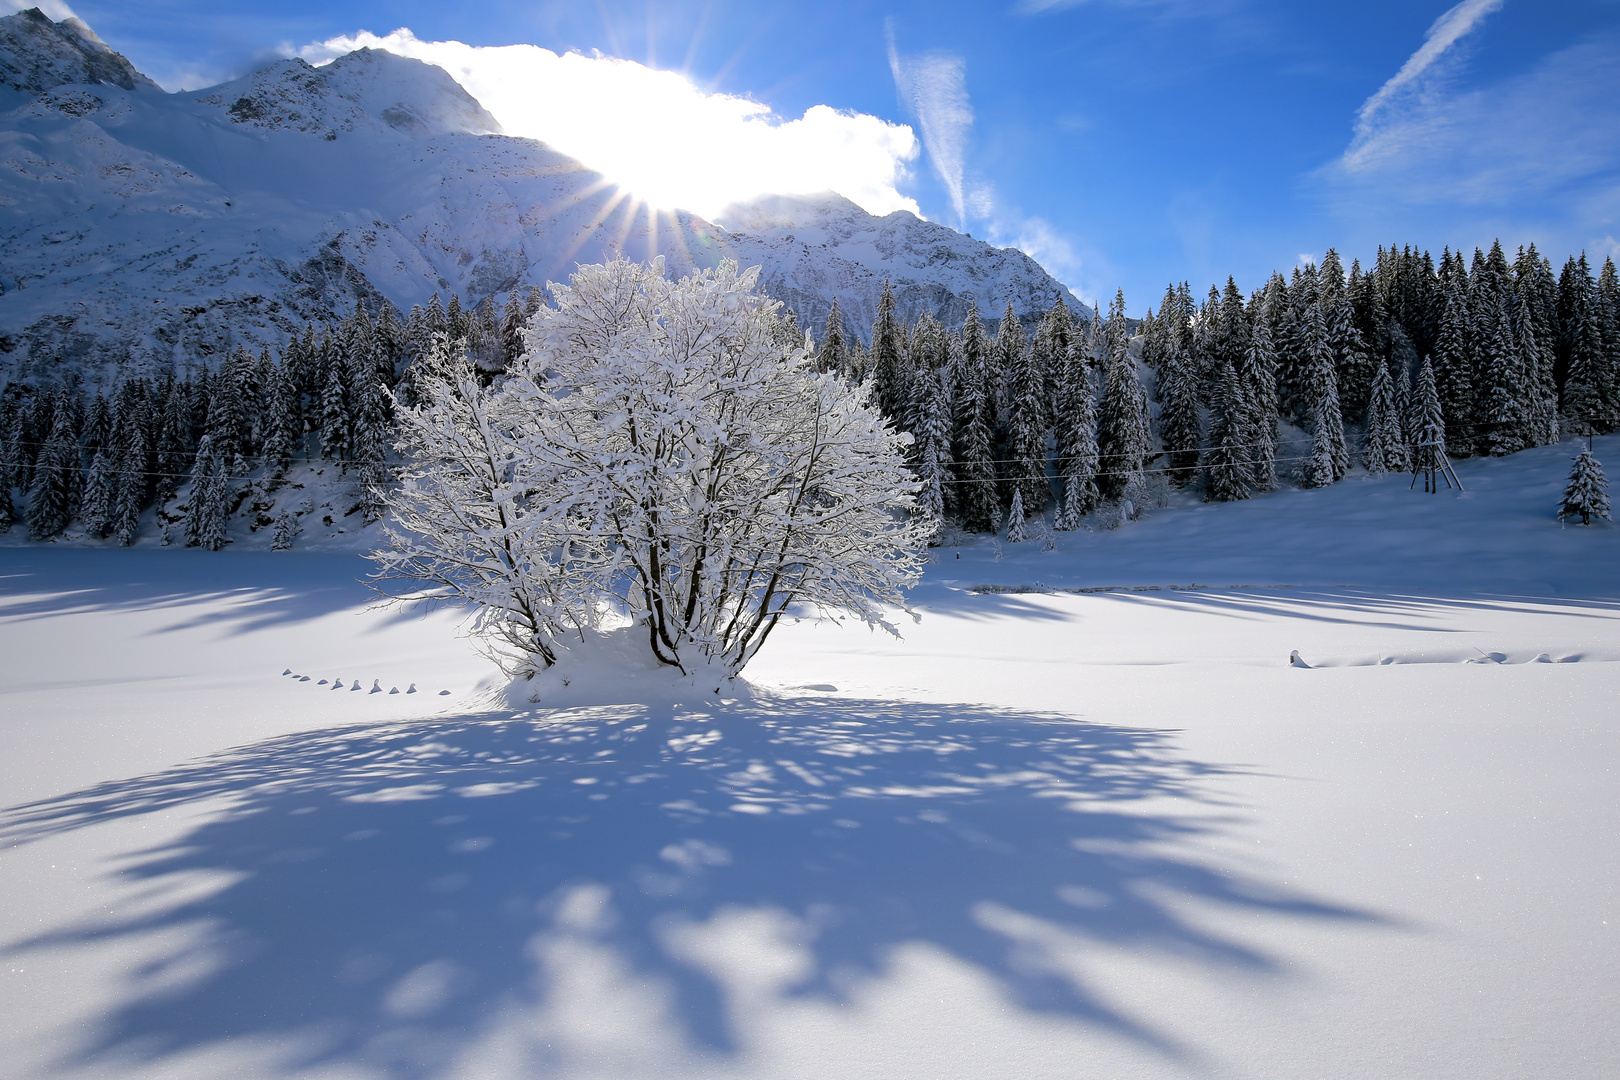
(409, 95)
(37, 54)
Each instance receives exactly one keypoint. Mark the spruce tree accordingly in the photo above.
(890, 389)
(1587, 495)
(174, 441)
(1226, 468)
(1017, 532)
(1502, 416)
(134, 481)
(1180, 424)
(1453, 358)
(1427, 427)
(974, 466)
(206, 515)
(1320, 387)
(280, 422)
(1025, 465)
(99, 495)
(56, 478)
(286, 530)
(1076, 438)
(832, 356)
(1588, 386)
(1385, 450)
(1123, 439)
(514, 324)
(1258, 372)
(1320, 470)
(335, 420)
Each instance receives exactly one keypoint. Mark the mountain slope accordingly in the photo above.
(141, 230)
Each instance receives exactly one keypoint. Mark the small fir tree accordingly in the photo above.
(1587, 495)
(286, 530)
(1319, 467)
(1017, 529)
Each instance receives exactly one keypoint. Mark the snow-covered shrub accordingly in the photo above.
(667, 454)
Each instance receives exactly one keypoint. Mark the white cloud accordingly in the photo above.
(1383, 108)
(934, 87)
(658, 135)
(53, 8)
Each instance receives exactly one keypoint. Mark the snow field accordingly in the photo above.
(1085, 834)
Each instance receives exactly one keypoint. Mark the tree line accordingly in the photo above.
(1406, 361)
(103, 458)
(1392, 365)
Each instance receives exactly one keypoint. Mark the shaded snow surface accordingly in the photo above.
(1049, 834)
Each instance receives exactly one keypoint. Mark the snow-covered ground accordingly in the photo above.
(1048, 834)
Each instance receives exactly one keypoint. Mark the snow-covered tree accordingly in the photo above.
(1225, 465)
(1386, 449)
(1076, 438)
(1180, 424)
(1123, 439)
(1258, 371)
(99, 495)
(1427, 425)
(974, 449)
(661, 457)
(1017, 528)
(887, 364)
(1587, 495)
(210, 488)
(832, 357)
(1025, 464)
(286, 531)
(56, 477)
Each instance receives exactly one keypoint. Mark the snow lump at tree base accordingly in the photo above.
(665, 470)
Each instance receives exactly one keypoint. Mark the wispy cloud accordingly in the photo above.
(1534, 156)
(1382, 109)
(659, 135)
(934, 88)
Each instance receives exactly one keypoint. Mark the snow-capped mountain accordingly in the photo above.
(141, 230)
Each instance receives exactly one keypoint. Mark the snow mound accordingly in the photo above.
(613, 668)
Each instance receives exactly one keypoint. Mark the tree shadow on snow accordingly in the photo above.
(250, 590)
(382, 892)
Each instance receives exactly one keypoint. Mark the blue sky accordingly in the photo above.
(1123, 142)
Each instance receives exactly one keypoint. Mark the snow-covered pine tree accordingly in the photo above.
(1588, 382)
(1017, 529)
(1076, 438)
(974, 451)
(1025, 463)
(1049, 351)
(1502, 383)
(1537, 291)
(1320, 470)
(514, 323)
(133, 482)
(770, 485)
(1226, 466)
(99, 494)
(1259, 374)
(1427, 425)
(1587, 495)
(280, 420)
(1386, 448)
(887, 362)
(210, 489)
(1124, 440)
(1320, 386)
(832, 357)
(1180, 423)
(286, 531)
(55, 490)
(335, 416)
(174, 440)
